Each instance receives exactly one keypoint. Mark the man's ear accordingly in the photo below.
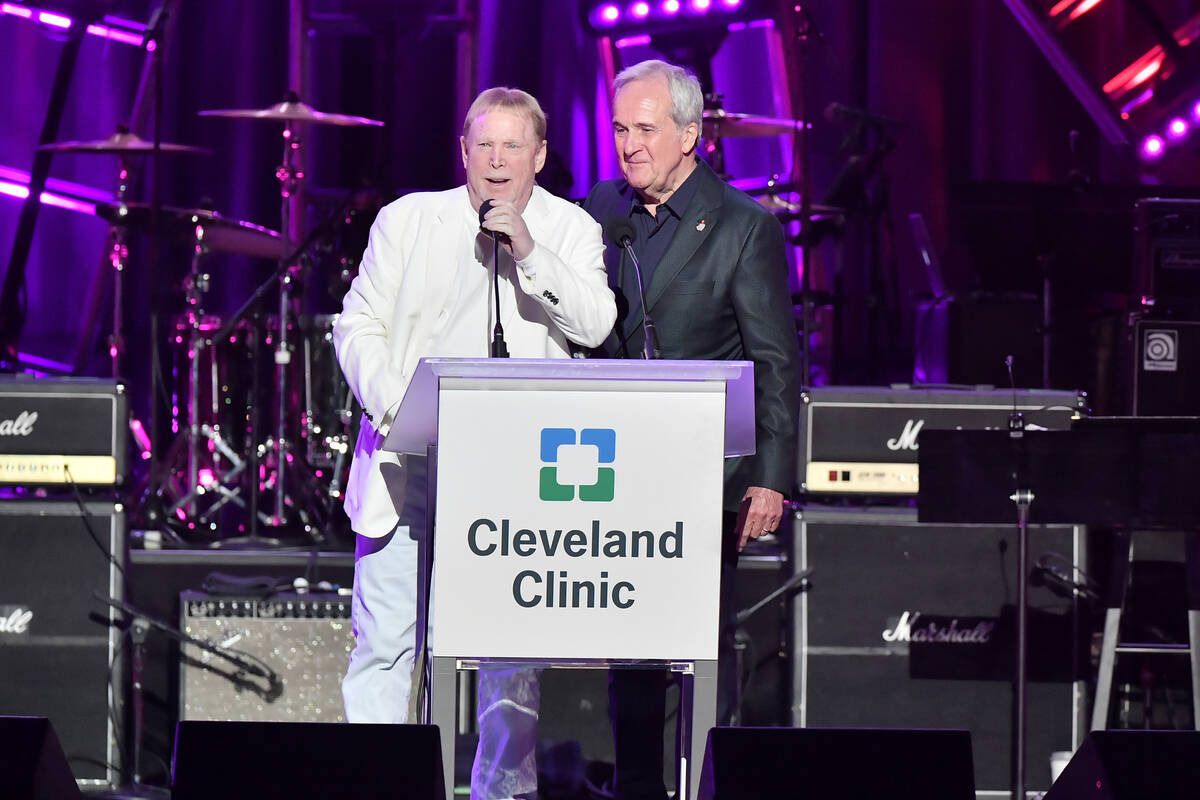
(462, 145)
(539, 160)
(691, 138)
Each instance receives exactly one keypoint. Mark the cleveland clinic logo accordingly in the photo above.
(572, 460)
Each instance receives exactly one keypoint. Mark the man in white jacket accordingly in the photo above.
(424, 289)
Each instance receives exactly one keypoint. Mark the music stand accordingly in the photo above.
(1118, 472)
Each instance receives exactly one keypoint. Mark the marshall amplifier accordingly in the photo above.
(912, 625)
(864, 440)
(57, 658)
(1167, 249)
(297, 646)
(62, 430)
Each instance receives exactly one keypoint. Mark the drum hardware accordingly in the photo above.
(291, 112)
(122, 144)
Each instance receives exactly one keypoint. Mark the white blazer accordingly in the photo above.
(397, 306)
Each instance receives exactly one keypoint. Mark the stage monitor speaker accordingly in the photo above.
(306, 760)
(837, 764)
(305, 640)
(909, 625)
(1132, 765)
(32, 764)
(55, 655)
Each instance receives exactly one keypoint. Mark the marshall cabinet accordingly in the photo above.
(861, 441)
(909, 625)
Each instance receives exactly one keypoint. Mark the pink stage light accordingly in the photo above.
(16, 11)
(609, 14)
(54, 20)
(701, 5)
(633, 41)
(1152, 147)
(14, 190)
(731, 3)
(640, 10)
(206, 477)
(670, 7)
(1177, 128)
(106, 32)
(1196, 111)
(70, 204)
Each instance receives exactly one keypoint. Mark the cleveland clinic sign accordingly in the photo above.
(578, 520)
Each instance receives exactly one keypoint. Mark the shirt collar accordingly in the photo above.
(678, 202)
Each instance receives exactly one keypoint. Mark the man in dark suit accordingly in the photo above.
(715, 275)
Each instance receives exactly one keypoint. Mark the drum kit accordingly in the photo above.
(222, 458)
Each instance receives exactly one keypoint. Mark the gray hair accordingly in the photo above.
(507, 99)
(687, 100)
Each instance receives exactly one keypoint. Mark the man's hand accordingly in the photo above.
(761, 511)
(504, 219)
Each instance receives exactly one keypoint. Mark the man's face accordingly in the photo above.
(501, 157)
(655, 154)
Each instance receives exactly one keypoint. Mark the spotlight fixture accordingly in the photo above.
(622, 18)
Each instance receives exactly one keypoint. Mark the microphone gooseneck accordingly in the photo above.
(499, 349)
(620, 231)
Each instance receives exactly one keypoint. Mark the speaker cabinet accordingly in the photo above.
(1166, 367)
(32, 764)
(300, 644)
(57, 660)
(909, 625)
(836, 764)
(1131, 765)
(306, 761)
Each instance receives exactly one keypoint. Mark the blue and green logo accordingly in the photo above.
(570, 457)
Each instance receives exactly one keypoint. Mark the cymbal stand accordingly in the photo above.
(198, 433)
(289, 174)
(118, 256)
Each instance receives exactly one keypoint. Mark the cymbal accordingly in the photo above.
(292, 110)
(774, 184)
(220, 233)
(121, 142)
(787, 210)
(717, 122)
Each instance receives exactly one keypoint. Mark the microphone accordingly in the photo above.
(839, 112)
(1016, 420)
(499, 349)
(619, 231)
(798, 582)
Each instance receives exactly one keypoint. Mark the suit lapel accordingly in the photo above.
(696, 222)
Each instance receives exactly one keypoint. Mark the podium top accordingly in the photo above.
(415, 425)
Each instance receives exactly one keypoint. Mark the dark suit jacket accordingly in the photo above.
(720, 293)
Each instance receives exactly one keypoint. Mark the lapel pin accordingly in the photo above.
(700, 225)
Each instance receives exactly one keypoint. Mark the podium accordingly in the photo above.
(576, 518)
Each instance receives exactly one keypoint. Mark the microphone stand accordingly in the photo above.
(798, 582)
(499, 348)
(650, 349)
(1022, 496)
(139, 626)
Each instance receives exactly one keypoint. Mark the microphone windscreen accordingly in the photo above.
(484, 208)
(618, 230)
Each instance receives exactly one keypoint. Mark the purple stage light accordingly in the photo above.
(608, 14)
(670, 7)
(701, 6)
(16, 11)
(106, 32)
(1152, 147)
(731, 3)
(633, 41)
(54, 20)
(1196, 111)
(640, 10)
(1177, 128)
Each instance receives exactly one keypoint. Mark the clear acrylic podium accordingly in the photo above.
(576, 518)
